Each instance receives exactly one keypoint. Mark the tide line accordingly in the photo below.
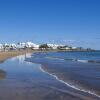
(72, 86)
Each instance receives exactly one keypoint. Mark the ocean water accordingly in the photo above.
(73, 55)
(50, 76)
(78, 70)
(22, 80)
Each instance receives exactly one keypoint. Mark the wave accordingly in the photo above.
(55, 58)
(75, 59)
(70, 85)
(89, 61)
(83, 61)
(59, 58)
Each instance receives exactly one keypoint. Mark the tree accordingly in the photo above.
(61, 47)
(44, 46)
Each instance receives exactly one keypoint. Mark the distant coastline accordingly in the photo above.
(11, 53)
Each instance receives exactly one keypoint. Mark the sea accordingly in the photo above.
(42, 75)
(76, 69)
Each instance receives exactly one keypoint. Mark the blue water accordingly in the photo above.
(83, 75)
(23, 80)
(89, 56)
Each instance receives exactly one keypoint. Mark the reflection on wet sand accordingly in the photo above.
(21, 58)
(25, 81)
(2, 74)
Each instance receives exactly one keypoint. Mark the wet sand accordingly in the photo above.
(8, 54)
(25, 81)
(35, 93)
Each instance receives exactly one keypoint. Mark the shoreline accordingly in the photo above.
(17, 53)
(44, 91)
(73, 87)
(8, 54)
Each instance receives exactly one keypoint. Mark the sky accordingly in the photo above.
(73, 22)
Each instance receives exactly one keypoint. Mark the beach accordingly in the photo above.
(26, 81)
(9, 54)
(46, 76)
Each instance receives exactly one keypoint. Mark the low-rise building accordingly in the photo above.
(53, 46)
(21, 45)
(1, 47)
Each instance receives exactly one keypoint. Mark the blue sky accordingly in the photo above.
(75, 22)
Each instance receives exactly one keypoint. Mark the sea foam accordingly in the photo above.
(72, 86)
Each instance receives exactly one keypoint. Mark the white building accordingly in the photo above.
(32, 45)
(1, 47)
(6, 45)
(21, 45)
(74, 48)
(29, 44)
(53, 46)
(67, 48)
(35, 47)
(13, 46)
